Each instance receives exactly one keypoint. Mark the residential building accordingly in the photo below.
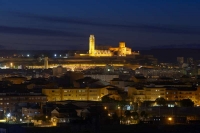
(136, 94)
(9, 101)
(151, 94)
(88, 93)
(121, 83)
(146, 93)
(139, 79)
(187, 93)
(169, 93)
(172, 94)
(15, 80)
(103, 77)
(31, 111)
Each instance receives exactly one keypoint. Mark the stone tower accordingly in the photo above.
(91, 45)
(45, 62)
(122, 49)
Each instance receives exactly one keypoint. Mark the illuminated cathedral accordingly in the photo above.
(122, 50)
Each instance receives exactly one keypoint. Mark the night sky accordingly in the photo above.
(67, 24)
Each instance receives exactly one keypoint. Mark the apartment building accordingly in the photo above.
(15, 79)
(31, 112)
(169, 93)
(146, 93)
(121, 83)
(188, 93)
(153, 93)
(9, 101)
(103, 77)
(92, 94)
(172, 94)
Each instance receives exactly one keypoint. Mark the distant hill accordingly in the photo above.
(171, 54)
(163, 54)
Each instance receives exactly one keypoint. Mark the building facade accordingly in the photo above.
(81, 94)
(9, 101)
(168, 93)
(122, 50)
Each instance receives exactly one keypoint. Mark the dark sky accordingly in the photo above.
(67, 24)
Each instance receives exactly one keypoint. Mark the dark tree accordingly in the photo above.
(122, 103)
(161, 101)
(106, 98)
(114, 116)
(186, 103)
(135, 115)
(127, 113)
(146, 103)
(142, 114)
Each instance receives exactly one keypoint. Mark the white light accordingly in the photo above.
(8, 115)
(28, 55)
(55, 55)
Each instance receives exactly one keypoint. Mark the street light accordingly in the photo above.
(7, 122)
(46, 117)
(170, 119)
(119, 108)
(11, 64)
(28, 119)
(8, 116)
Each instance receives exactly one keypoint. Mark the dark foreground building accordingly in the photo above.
(139, 128)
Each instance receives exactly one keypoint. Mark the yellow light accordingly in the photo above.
(169, 118)
(105, 107)
(3, 120)
(118, 107)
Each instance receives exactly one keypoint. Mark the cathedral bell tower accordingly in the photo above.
(91, 45)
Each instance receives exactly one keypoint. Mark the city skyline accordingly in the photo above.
(49, 25)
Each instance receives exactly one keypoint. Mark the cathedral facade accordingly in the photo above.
(122, 50)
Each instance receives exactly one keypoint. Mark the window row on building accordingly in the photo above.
(169, 93)
(60, 94)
